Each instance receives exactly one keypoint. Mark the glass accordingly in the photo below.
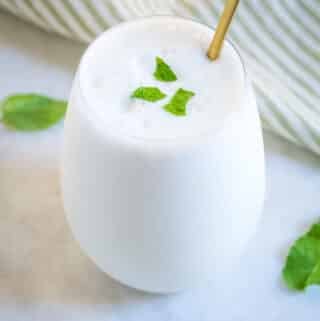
(158, 215)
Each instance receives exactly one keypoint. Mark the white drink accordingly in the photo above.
(162, 202)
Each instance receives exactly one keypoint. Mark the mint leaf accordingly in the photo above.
(315, 231)
(148, 93)
(302, 267)
(178, 102)
(28, 112)
(163, 71)
(314, 277)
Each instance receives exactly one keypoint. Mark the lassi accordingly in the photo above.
(162, 200)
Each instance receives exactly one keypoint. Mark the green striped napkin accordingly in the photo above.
(279, 40)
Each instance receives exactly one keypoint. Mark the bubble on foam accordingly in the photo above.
(201, 37)
(198, 108)
(137, 71)
(167, 53)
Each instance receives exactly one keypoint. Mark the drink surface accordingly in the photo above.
(123, 59)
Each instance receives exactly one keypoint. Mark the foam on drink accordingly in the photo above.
(125, 60)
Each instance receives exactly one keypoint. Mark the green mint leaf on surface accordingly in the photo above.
(177, 104)
(302, 267)
(148, 93)
(314, 231)
(29, 112)
(314, 277)
(163, 71)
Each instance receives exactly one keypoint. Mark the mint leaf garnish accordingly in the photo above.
(163, 71)
(28, 112)
(302, 267)
(178, 102)
(148, 93)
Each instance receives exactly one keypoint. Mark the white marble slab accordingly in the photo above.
(43, 273)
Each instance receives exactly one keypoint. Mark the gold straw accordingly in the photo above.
(222, 28)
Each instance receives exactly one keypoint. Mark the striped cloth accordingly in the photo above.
(279, 40)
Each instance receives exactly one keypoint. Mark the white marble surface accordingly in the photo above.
(43, 273)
